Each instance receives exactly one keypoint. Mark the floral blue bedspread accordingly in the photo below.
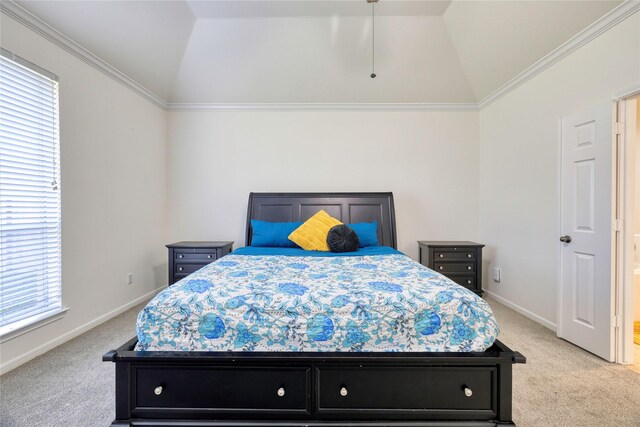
(291, 303)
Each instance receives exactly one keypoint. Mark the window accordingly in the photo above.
(30, 259)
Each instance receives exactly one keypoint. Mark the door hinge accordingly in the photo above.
(617, 225)
(619, 128)
(616, 321)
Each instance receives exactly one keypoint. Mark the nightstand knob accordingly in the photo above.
(441, 268)
(209, 256)
(469, 281)
(343, 391)
(441, 255)
(281, 391)
(468, 255)
(180, 256)
(468, 392)
(158, 390)
(180, 268)
(469, 268)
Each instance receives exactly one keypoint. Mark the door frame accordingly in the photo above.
(626, 188)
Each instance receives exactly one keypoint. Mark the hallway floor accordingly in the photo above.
(636, 359)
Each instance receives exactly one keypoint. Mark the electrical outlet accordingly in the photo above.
(130, 279)
(496, 274)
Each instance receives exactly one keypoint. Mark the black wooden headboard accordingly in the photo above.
(347, 207)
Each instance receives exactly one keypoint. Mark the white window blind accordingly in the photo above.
(30, 259)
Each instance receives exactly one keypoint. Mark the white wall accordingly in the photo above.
(114, 202)
(428, 159)
(519, 155)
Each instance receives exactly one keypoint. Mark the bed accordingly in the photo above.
(345, 374)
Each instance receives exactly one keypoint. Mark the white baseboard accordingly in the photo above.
(515, 307)
(20, 360)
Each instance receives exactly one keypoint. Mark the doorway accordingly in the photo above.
(629, 207)
(592, 314)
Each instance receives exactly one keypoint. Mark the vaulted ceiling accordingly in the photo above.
(309, 51)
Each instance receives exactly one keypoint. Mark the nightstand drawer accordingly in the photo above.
(454, 267)
(454, 255)
(187, 268)
(177, 277)
(187, 257)
(195, 255)
(460, 261)
(466, 280)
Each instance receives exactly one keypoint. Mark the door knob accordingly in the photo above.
(565, 239)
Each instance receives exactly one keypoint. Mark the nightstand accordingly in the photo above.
(187, 257)
(459, 261)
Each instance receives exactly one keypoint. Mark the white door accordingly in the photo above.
(586, 288)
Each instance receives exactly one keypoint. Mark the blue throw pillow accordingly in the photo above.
(367, 233)
(272, 234)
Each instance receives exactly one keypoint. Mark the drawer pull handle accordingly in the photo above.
(441, 268)
(441, 255)
(468, 392)
(158, 390)
(281, 391)
(180, 268)
(209, 256)
(180, 256)
(469, 281)
(468, 255)
(469, 268)
(343, 391)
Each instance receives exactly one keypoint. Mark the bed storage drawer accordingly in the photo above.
(408, 389)
(222, 389)
(381, 389)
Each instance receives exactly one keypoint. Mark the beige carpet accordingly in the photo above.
(561, 385)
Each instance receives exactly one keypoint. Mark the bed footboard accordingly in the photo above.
(319, 389)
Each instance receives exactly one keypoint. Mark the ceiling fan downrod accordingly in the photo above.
(373, 37)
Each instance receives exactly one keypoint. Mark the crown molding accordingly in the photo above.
(31, 21)
(324, 107)
(615, 16)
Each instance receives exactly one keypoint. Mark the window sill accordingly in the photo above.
(8, 333)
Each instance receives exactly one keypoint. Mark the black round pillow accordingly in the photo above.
(342, 239)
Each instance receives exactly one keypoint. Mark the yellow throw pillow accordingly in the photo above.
(312, 234)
